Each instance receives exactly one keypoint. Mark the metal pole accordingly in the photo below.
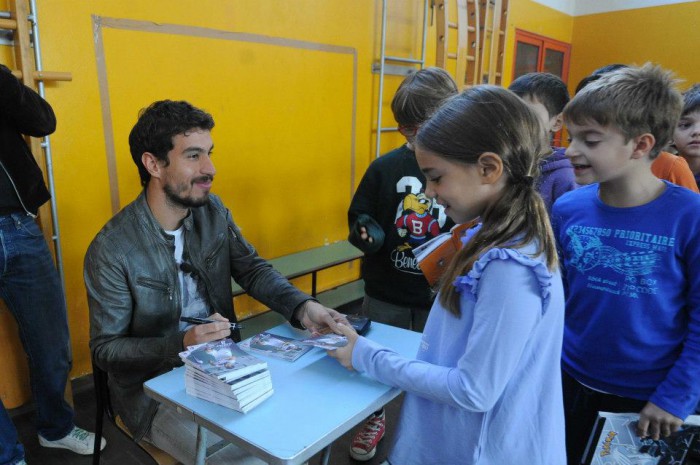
(381, 80)
(425, 34)
(47, 151)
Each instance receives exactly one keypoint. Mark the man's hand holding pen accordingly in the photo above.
(213, 328)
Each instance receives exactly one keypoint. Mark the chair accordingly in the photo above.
(104, 406)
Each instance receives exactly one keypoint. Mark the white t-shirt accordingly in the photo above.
(193, 302)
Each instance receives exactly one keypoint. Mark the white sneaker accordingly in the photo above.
(21, 462)
(78, 440)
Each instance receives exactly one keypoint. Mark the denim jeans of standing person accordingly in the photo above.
(31, 289)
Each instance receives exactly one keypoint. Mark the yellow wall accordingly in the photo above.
(293, 102)
(668, 35)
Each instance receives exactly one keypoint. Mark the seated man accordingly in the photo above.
(172, 253)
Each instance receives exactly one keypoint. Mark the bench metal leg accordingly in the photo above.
(201, 445)
(313, 284)
(326, 455)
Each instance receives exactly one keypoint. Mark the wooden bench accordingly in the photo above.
(332, 298)
(309, 262)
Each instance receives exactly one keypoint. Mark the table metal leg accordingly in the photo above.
(201, 445)
(326, 455)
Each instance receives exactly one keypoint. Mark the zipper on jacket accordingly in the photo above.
(157, 285)
(17, 192)
(210, 258)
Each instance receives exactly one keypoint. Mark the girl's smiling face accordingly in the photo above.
(465, 190)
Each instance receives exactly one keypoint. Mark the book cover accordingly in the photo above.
(272, 345)
(614, 442)
(328, 341)
(223, 359)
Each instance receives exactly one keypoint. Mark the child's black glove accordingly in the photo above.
(374, 232)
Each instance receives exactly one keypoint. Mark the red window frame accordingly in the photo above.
(544, 44)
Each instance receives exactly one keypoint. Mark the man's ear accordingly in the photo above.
(151, 163)
(643, 145)
(557, 123)
(490, 167)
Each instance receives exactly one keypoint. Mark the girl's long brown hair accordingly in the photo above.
(493, 119)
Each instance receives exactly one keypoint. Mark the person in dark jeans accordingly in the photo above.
(29, 282)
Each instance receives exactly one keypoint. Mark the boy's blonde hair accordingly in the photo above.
(635, 100)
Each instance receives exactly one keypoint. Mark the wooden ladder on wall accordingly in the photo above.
(465, 34)
(14, 388)
(493, 17)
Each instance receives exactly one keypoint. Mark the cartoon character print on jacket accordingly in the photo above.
(418, 219)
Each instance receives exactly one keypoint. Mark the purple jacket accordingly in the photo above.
(556, 178)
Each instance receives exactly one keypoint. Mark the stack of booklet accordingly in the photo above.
(221, 372)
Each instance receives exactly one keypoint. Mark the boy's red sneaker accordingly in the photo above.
(364, 444)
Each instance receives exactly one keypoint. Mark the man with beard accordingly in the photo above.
(171, 253)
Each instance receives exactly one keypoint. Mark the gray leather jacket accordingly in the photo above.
(134, 294)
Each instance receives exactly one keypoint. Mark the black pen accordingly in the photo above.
(201, 321)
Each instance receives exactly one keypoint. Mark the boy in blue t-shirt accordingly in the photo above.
(547, 95)
(631, 256)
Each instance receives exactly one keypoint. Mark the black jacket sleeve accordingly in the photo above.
(21, 106)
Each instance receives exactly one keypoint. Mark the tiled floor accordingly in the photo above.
(121, 451)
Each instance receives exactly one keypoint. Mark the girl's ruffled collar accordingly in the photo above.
(467, 284)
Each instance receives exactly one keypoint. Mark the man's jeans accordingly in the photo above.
(31, 288)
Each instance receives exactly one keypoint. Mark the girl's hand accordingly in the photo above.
(344, 354)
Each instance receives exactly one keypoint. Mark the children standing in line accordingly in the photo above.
(547, 95)
(631, 255)
(485, 387)
(389, 215)
(686, 137)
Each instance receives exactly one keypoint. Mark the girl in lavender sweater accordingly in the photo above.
(485, 387)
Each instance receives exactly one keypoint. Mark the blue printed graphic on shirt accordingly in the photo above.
(633, 256)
